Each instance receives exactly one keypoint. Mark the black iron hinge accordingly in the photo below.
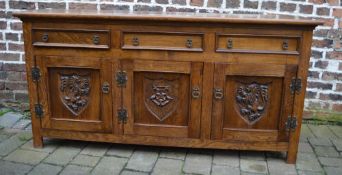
(122, 115)
(35, 72)
(291, 123)
(38, 109)
(121, 78)
(296, 85)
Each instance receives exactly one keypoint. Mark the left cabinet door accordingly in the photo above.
(75, 93)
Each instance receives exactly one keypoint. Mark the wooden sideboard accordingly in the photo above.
(168, 79)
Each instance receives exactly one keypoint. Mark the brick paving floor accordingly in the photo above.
(320, 152)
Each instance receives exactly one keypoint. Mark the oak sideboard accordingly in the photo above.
(168, 79)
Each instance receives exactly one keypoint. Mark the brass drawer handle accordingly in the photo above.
(218, 93)
(188, 43)
(135, 41)
(96, 39)
(229, 44)
(45, 37)
(105, 87)
(196, 93)
(285, 45)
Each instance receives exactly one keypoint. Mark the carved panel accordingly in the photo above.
(74, 91)
(252, 99)
(161, 95)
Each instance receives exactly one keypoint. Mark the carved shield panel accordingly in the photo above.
(161, 96)
(74, 91)
(251, 101)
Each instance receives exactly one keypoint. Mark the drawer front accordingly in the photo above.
(98, 39)
(256, 43)
(162, 41)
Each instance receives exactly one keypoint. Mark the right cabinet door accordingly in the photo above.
(252, 101)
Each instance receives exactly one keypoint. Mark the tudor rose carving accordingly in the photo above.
(251, 100)
(74, 91)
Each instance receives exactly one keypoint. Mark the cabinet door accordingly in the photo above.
(252, 102)
(75, 93)
(162, 98)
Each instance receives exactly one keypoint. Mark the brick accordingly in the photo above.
(337, 13)
(310, 94)
(179, 2)
(14, 142)
(338, 142)
(326, 151)
(10, 56)
(82, 6)
(319, 85)
(85, 160)
(145, 1)
(147, 8)
(253, 166)
(173, 9)
(333, 97)
(49, 146)
(192, 2)
(3, 46)
(322, 43)
(168, 167)
(16, 47)
(226, 158)
(323, 11)
(305, 133)
(114, 7)
(317, 1)
(197, 164)
(22, 5)
(165, 1)
(3, 24)
(334, 2)
(330, 161)
(287, 7)
(333, 170)
(16, 26)
(269, 5)
(308, 162)
(125, 0)
(2, 87)
(232, 3)
(16, 85)
(334, 55)
(279, 167)
(320, 141)
(338, 86)
(224, 170)
(214, 3)
(14, 168)
(6, 95)
(26, 156)
(73, 169)
(21, 96)
(2, 5)
(306, 9)
(52, 5)
(127, 172)
(3, 75)
(313, 74)
(305, 147)
(110, 165)
(14, 67)
(316, 54)
(44, 169)
(321, 131)
(63, 155)
(250, 4)
(321, 64)
(9, 119)
(142, 160)
(321, 32)
(337, 107)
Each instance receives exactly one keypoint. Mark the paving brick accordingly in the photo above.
(280, 167)
(9, 119)
(168, 167)
(308, 162)
(142, 160)
(252, 155)
(322, 131)
(337, 130)
(338, 144)
(330, 161)
(63, 155)
(197, 163)
(95, 149)
(22, 124)
(226, 158)
(326, 151)
(305, 133)
(75, 170)
(45, 169)
(13, 143)
(127, 172)
(85, 160)
(173, 153)
(253, 166)
(333, 170)
(26, 156)
(9, 168)
(48, 147)
(300, 172)
(120, 151)
(320, 141)
(110, 165)
(4, 137)
(224, 170)
(305, 147)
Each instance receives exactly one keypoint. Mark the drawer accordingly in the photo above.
(162, 41)
(74, 38)
(257, 43)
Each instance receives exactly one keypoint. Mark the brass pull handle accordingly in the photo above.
(229, 43)
(105, 87)
(196, 93)
(188, 43)
(96, 39)
(135, 41)
(285, 44)
(218, 93)
(45, 37)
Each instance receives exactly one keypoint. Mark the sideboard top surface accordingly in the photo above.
(169, 16)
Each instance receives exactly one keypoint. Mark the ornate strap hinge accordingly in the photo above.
(296, 85)
(291, 123)
(38, 109)
(35, 73)
(122, 115)
(121, 78)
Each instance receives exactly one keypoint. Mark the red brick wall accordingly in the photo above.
(325, 76)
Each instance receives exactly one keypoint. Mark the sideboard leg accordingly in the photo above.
(291, 156)
(37, 141)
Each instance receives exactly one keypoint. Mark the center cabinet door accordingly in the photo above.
(75, 93)
(163, 98)
(252, 102)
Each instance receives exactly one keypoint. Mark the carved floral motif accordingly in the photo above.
(160, 96)
(252, 100)
(74, 89)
